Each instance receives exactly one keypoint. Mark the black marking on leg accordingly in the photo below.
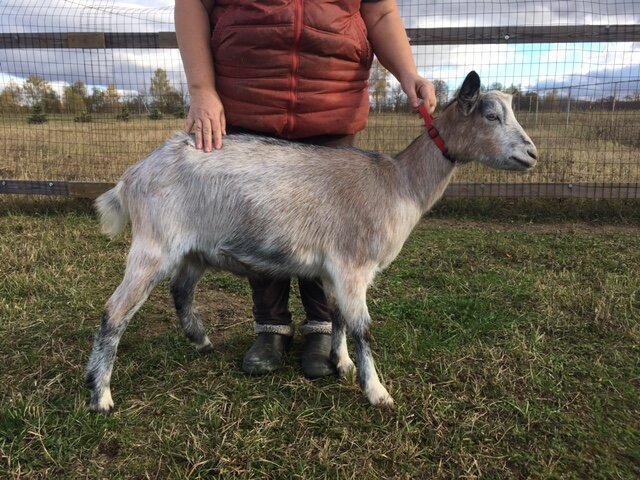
(108, 329)
(361, 348)
(90, 379)
(336, 319)
(183, 299)
(366, 335)
(105, 320)
(337, 324)
(193, 337)
(180, 298)
(363, 351)
(333, 356)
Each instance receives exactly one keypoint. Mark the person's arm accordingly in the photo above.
(391, 45)
(206, 114)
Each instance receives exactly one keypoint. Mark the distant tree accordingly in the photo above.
(181, 112)
(11, 98)
(378, 85)
(84, 117)
(38, 114)
(34, 89)
(51, 102)
(528, 101)
(112, 98)
(551, 99)
(399, 99)
(513, 89)
(74, 98)
(496, 86)
(135, 104)
(124, 114)
(97, 101)
(37, 90)
(442, 92)
(155, 114)
(165, 98)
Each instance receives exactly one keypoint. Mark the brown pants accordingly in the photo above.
(271, 296)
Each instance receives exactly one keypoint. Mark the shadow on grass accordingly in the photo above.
(599, 212)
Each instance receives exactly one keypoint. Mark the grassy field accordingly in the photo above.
(594, 146)
(509, 337)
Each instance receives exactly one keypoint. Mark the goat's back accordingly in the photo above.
(263, 194)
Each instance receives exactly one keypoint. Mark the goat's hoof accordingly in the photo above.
(204, 346)
(102, 410)
(347, 369)
(205, 349)
(104, 405)
(379, 397)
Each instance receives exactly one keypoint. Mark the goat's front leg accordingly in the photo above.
(183, 285)
(351, 293)
(142, 274)
(339, 352)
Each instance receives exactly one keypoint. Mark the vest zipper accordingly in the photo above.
(295, 63)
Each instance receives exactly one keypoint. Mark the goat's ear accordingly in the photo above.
(469, 93)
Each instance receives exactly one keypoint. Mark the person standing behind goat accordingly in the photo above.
(296, 70)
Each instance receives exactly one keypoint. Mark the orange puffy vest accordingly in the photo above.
(293, 68)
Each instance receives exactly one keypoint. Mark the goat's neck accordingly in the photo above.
(425, 172)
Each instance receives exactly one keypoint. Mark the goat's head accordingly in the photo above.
(482, 127)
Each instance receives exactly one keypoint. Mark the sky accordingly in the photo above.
(588, 70)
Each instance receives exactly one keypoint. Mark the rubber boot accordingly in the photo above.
(268, 351)
(315, 358)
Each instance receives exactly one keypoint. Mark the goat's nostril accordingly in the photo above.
(533, 154)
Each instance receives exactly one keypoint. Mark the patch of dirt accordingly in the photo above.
(221, 313)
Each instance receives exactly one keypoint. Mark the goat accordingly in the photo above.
(261, 206)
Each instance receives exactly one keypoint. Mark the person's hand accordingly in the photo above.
(206, 117)
(416, 88)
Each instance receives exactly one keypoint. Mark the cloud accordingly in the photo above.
(458, 13)
(594, 84)
(19, 16)
(128, 69)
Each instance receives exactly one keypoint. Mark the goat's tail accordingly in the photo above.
(112, 210)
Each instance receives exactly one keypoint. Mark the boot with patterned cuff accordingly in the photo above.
(268, 351)
(315, 358)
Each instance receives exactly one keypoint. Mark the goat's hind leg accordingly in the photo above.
(143, 272)
(351, 299)
(183, 285)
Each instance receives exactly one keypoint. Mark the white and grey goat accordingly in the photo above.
(260, 206)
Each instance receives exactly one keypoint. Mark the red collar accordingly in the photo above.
(433, 131)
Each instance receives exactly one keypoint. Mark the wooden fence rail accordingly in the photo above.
(418, 36)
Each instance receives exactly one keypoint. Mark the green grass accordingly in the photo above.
(511, 344)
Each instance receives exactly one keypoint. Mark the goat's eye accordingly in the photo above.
(491, 117)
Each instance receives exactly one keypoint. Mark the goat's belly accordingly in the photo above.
(267, 262)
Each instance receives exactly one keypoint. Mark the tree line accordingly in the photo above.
(387, 96)
(37, 95)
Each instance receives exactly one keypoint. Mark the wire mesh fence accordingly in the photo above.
(89, 88)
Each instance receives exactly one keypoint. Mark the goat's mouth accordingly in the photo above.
(523, 164)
